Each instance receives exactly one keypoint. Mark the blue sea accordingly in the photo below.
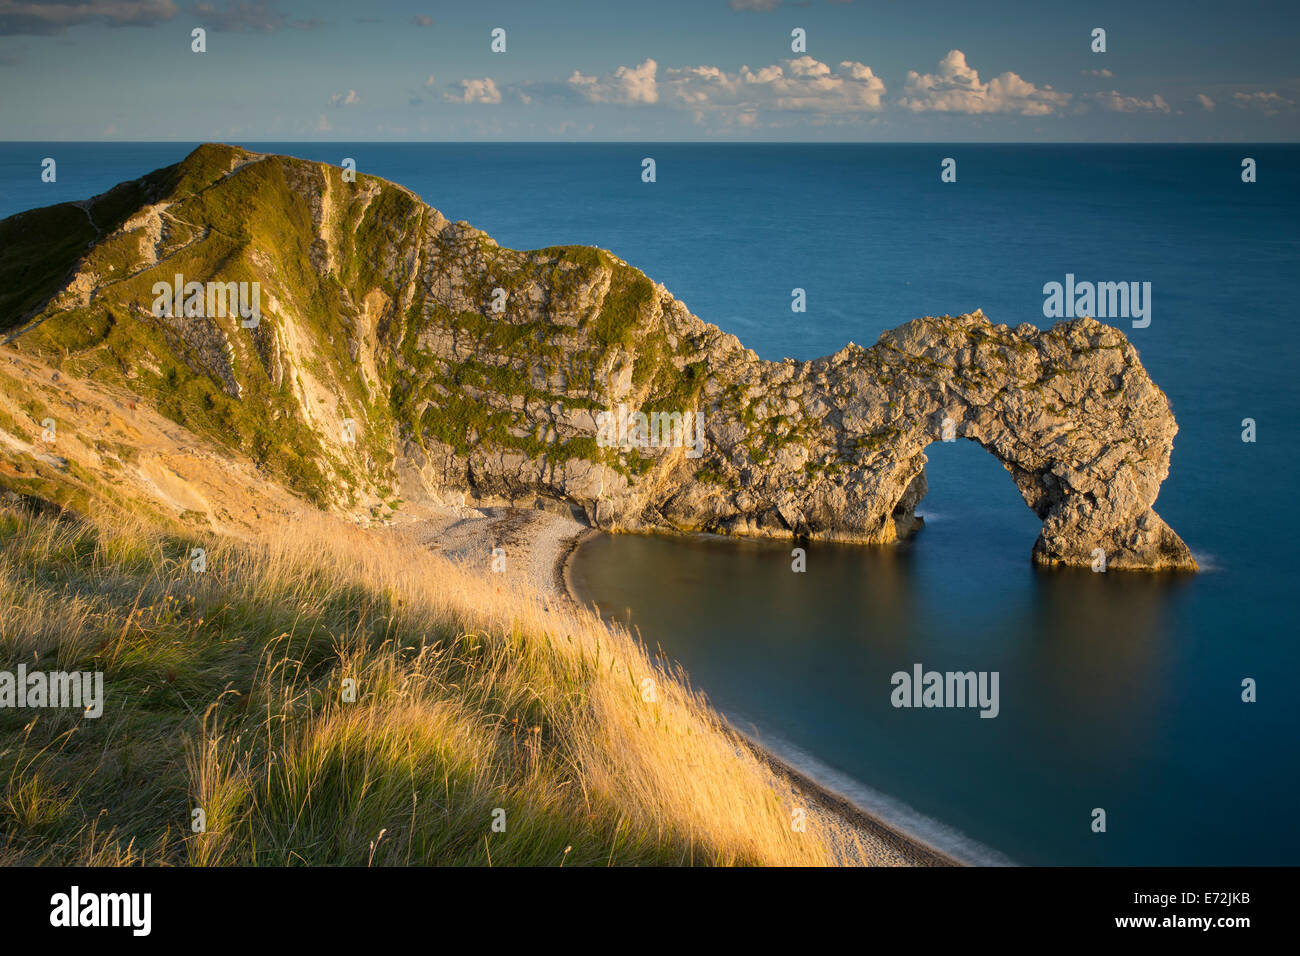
(1118, 692)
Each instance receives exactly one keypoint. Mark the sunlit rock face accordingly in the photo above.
(398, 353)
(834, 448)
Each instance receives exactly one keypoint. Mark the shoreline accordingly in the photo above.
(896, 844)
(908, 848)
(539, 544)
(564, 582)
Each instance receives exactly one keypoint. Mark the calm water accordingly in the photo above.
(1116, 691)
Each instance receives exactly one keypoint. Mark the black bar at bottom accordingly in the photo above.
(300, 907)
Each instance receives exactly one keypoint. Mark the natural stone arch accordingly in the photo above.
(830, 449)
(1073, 417)
(1074, 525)
(1069, 411)
(504, 405)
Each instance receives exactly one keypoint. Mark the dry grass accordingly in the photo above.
(474, 703)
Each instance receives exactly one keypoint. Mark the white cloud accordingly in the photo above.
(474, 91)
(627, 85)
(956, 88)
(800, 84)
(350, 98)
(1270, 103)
(1102, 72)
(429, 81)
(322, 124)
(1205, 101)
(1118, 103)
(755, 4)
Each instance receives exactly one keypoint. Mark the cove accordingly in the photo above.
(1118, 691)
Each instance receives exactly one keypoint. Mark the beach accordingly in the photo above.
(532, 545)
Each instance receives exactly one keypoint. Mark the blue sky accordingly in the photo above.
(652, 70)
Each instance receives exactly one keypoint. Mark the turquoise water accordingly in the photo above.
(1117, 691)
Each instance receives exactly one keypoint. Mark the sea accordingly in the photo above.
(1141, 719)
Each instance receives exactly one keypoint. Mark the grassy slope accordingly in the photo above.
(223, 693)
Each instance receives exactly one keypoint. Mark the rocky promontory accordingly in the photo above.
(400, 355)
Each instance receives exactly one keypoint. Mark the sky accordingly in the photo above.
(650, 70)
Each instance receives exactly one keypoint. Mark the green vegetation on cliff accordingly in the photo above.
(347, 322)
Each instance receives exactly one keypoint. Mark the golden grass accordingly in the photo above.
(474, 703)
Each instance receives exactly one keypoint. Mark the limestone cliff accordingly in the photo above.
(466, 368)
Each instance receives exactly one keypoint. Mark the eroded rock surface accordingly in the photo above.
(469, 370)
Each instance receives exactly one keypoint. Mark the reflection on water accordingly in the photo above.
(1097, 673)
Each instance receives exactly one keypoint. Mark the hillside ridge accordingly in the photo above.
(399, 356)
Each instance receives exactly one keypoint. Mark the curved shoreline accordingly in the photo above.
(909, 847)
(911, 850)
(564, 583)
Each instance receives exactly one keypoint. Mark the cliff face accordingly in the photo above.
(401, 354)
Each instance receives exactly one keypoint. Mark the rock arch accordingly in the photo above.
(505, 404)
(1069, 412)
